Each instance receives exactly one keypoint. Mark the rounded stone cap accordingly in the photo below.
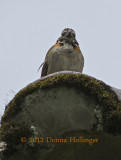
(60, 104)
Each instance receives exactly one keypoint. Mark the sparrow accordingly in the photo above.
(65, 55)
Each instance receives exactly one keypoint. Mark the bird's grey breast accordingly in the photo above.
(65, 58)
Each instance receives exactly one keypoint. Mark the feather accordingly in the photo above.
(40, 67)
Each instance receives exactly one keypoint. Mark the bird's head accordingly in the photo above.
(68, 33)
(68, 36)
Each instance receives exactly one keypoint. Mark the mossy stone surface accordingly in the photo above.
(61, 103)
(100, 92)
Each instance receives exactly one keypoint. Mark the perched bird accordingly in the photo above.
(65, 55)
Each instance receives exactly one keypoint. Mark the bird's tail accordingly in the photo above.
(40, 67)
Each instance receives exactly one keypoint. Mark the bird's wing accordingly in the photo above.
(49, 51)
(45, 63)
(44, 69)
(45, 58)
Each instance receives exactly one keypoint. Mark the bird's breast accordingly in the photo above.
(66, 47)
(65, 57)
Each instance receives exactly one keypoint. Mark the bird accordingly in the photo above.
(64, 55)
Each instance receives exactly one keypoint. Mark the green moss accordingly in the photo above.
(12, 133)
(101, 92)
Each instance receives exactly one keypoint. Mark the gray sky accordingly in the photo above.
(28, 28)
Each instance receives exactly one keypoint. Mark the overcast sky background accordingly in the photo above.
(28, 28)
